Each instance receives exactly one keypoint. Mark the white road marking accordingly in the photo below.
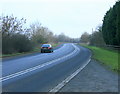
(39, 66)
(64, 82)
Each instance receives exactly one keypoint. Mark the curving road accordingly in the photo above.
(42, 72)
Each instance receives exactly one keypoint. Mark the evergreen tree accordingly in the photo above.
(111, 25)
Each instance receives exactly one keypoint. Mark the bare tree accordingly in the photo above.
(11, 24)
(96, 38)
(41, 34)
(85, 37)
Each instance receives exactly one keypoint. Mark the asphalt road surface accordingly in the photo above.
(43, 71)
(95, 77)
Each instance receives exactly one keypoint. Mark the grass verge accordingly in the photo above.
(105, 56)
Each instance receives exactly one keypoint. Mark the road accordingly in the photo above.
(44, 71)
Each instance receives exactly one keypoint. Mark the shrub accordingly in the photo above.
(16, 43)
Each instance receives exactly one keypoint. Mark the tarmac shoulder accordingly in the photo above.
(93, 78)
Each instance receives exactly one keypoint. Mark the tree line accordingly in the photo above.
(16, 38)
(94, 39)
(109, 32)
(111, 25)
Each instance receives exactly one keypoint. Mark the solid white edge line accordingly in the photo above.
(39, 66)
(64, 82)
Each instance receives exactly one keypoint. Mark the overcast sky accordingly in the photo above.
(72, 17)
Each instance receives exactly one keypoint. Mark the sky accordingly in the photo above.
(71, 17)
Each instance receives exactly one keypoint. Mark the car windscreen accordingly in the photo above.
(45, 45)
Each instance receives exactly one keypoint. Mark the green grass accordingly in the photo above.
(54, 45)
(15, 54)
(106, 57)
